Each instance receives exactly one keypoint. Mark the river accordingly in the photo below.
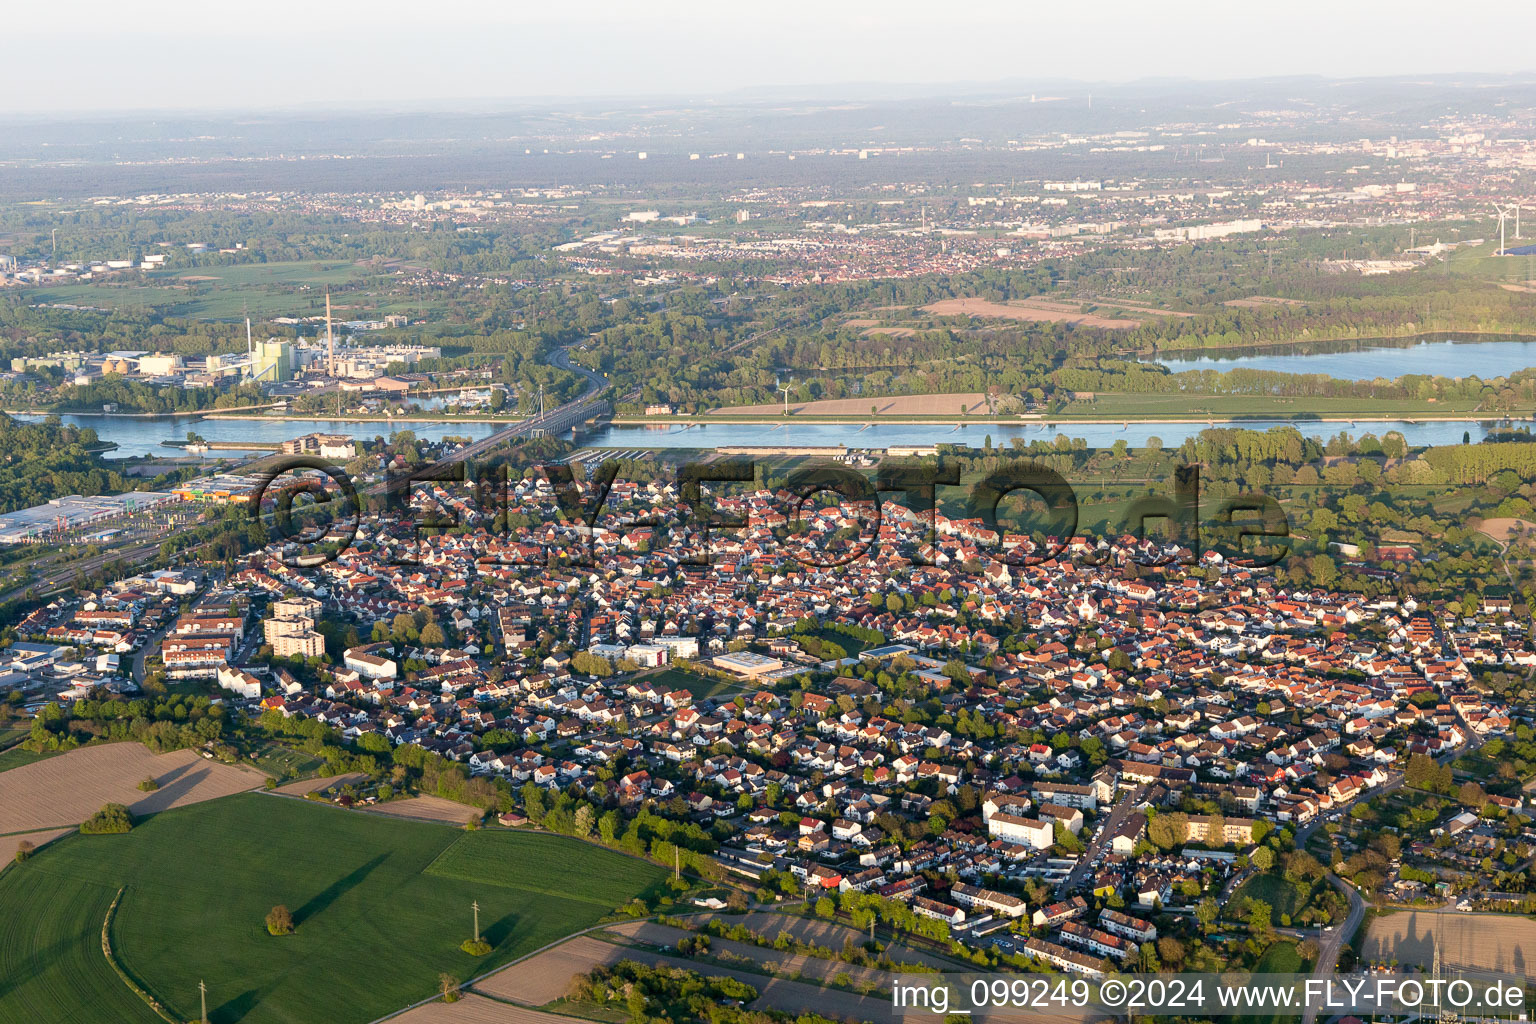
(143, 435)
(1443, 355)
(138, 435)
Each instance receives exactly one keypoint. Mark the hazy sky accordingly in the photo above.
(116, 54)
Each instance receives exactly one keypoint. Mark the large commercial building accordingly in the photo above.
(745, 663)
(47, 521)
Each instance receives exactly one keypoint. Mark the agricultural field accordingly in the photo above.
(380, 905)
(426, 808)
(476, 1009)
(65, 789)
(966, 403)
(317, 783)
(1489, 942)
(1028, 309)
(217, 293)
(547, 976)
(51, 963)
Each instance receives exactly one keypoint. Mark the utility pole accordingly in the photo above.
(476, 906)
(202, 991)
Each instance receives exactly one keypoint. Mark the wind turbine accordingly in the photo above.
(787, 388)
(1503, 212)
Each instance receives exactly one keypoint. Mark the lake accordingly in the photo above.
(1441, 356)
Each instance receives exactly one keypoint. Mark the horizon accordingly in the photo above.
(181, 58)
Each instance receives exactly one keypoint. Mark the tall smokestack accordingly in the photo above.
(330, 341)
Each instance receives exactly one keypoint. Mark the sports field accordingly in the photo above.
(381, 907)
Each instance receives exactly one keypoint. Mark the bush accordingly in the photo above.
(270, 784)
(110, 820)
(148, 786)
(475, 947)
(24, 850)
(279, 921)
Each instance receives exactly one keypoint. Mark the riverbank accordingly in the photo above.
(441, 420)
(239, 412)
(1056, 420)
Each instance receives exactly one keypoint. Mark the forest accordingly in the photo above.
(46, 460)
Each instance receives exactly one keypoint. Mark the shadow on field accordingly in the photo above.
(336, 890)
(236, 1009)
(500, 931)
(173, 785)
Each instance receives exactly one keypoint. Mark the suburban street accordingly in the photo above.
(1117, 814)
(1333, 939)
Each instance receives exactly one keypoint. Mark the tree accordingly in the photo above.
(1168, 830)
(1472, 796)
(111, 819)
(1259, 917)
(279, 921)
(1263, 858)
(432, 635)
(1206, 913)
(449, 985)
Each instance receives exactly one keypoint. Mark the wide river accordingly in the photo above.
(1443, 355)
(143, 436)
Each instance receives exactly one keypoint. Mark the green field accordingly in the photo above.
(1281, 895)
(285, 764)
(1282, 957)
(700, 686)
(15, 757)
(261, 288)
(50, 949)
(381, 905)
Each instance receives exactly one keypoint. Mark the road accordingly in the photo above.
(1117, 815)
(554, 420)
(150, 645)
(64, 575)
(1332, 943)
(1333, 939)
